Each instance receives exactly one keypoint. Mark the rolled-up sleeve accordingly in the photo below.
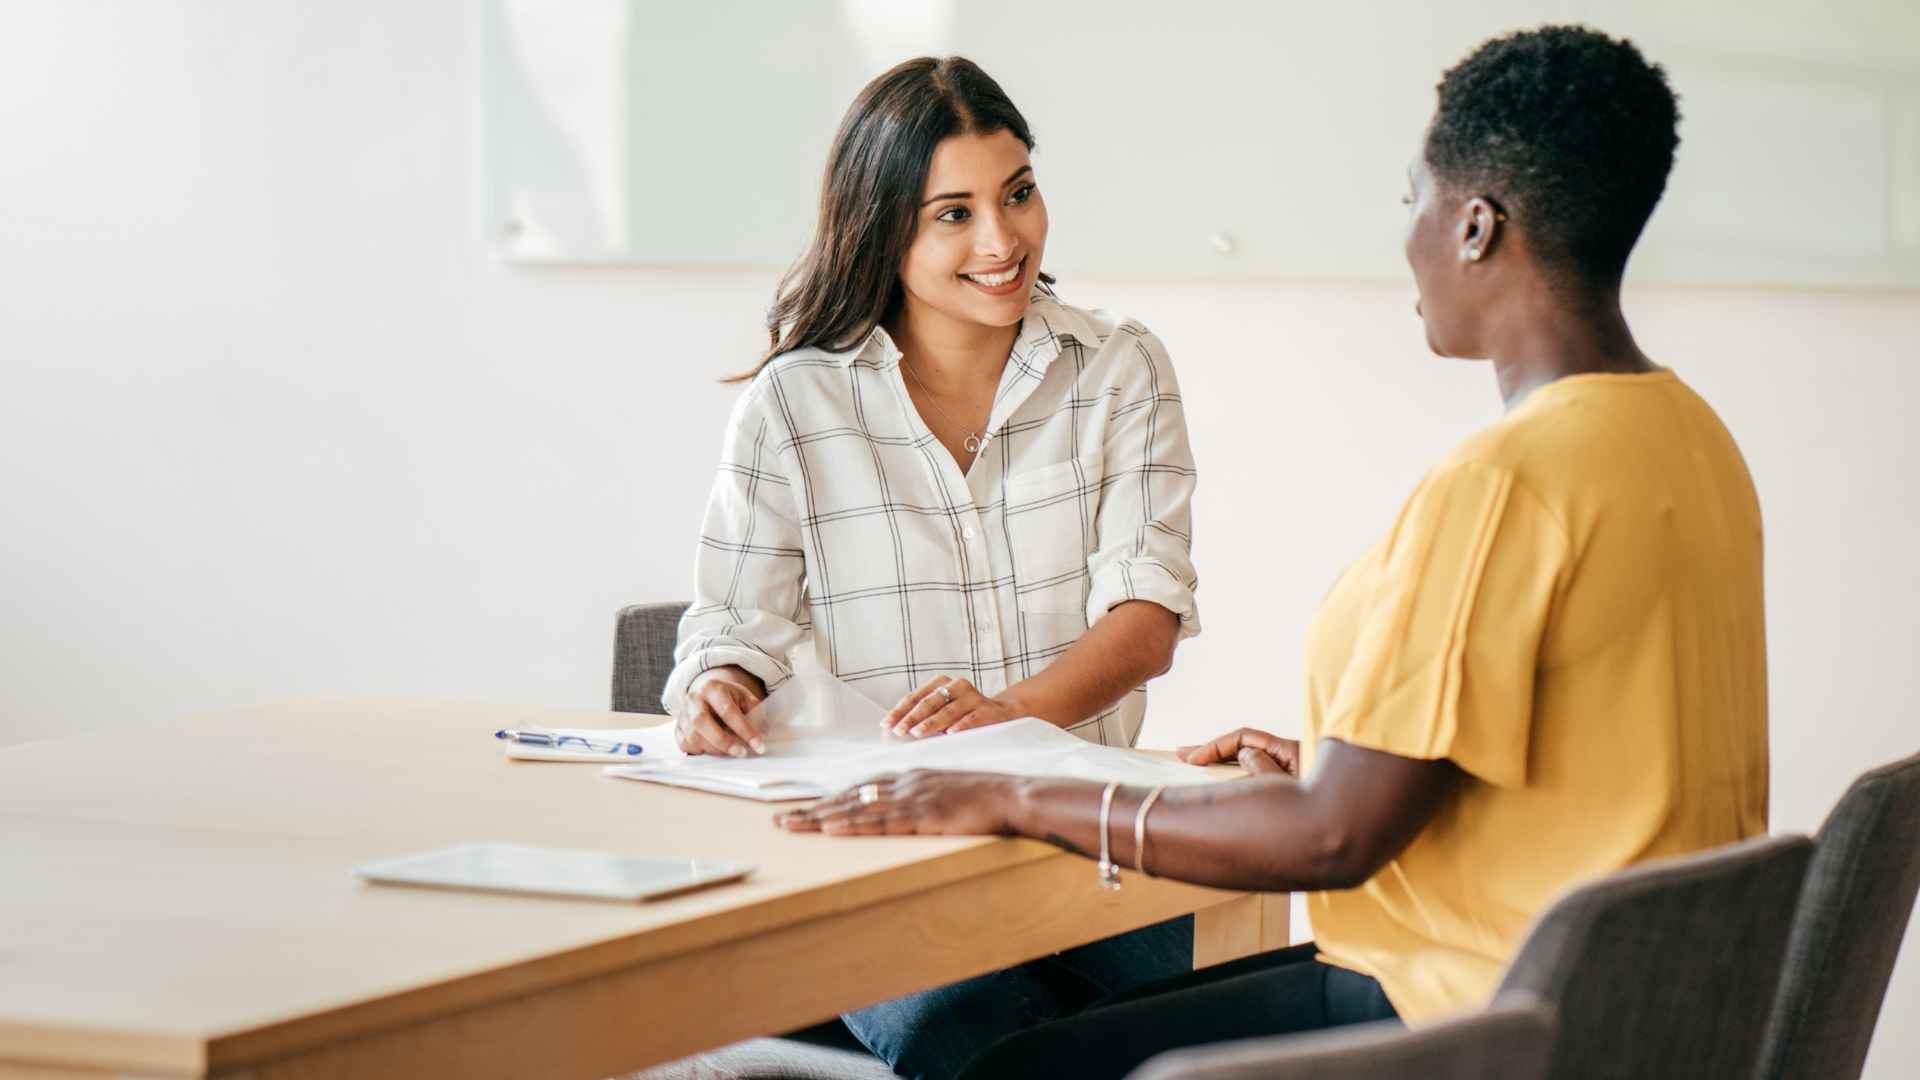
(1145, 523)
(750, 571)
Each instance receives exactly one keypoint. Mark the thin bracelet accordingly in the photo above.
(1140, 831)
(1109, 873)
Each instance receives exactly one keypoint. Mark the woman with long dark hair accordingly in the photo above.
(958, 494)
(1551, 667)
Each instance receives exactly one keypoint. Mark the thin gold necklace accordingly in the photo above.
(975, 440)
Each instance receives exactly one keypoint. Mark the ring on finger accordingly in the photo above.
(945, 693)
(868, 794)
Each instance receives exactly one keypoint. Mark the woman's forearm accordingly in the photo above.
(1130, 644)
(1358, 810)
(1200, 834)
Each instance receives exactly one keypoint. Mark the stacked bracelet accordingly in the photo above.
(1109, 873)
(1140, 831)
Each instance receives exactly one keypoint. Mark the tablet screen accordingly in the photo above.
(553, 871)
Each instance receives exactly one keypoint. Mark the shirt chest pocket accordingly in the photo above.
(1050, 520)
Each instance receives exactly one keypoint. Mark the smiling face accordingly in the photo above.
(979, 234)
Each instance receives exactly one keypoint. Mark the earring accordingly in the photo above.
(1474, 254)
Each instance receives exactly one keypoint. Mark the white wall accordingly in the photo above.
(274, 422)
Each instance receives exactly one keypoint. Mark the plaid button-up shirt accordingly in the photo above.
(839, 524)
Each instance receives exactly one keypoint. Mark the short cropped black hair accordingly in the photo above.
(1570, 128)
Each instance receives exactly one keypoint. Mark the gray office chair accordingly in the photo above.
(1662, 970)
(1510, 1039)
(1853, 912)
(1667, 969)
(643, 641)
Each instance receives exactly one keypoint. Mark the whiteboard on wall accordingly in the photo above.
(1202, 138)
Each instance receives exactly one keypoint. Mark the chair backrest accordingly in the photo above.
(1510, 1039)
(643, 641)
(1667, 969)
(1853, 912)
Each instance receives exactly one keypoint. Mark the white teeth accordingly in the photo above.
(994, 280)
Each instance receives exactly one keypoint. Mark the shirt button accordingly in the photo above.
(986, 624)
(967, 532)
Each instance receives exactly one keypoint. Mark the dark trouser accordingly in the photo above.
(932, 1034)
(1274, 993)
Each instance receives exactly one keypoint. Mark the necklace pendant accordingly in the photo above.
(972, 444)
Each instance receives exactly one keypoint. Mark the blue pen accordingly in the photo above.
(569, 742)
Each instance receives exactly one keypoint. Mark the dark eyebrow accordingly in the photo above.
(1017, 173)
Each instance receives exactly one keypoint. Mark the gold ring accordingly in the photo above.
(868, 793)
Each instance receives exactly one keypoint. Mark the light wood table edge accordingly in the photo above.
(1227, 926)
(43, 1051)
(671, 1006)
(1234, 926)
(120, 1050)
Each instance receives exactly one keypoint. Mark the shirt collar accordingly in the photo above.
(1041, 332)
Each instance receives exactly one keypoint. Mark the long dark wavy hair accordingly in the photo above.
(848, 280)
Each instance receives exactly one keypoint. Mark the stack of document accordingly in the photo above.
(823, 736)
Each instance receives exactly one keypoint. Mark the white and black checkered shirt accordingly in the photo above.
(839, 522)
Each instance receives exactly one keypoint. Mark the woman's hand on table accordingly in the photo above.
(943, 706)
(715, 720)
(1256, 751)
(921, 802)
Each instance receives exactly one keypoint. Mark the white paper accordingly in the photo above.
(823, 736)
(696, 782)
(813, 709)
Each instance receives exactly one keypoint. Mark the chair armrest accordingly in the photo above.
(1509, 1039)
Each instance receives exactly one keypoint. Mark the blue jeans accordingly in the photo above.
(934, 1033)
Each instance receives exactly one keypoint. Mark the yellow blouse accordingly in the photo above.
(1569, 608)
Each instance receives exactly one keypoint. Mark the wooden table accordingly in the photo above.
(178, 902)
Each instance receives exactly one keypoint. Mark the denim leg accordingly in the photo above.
(1353, 998)
(931, 1035)
(934, 1033)
(1120, 963)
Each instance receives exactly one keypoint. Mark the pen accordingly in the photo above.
(569, 742)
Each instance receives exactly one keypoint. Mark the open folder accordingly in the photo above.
(823, 736)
